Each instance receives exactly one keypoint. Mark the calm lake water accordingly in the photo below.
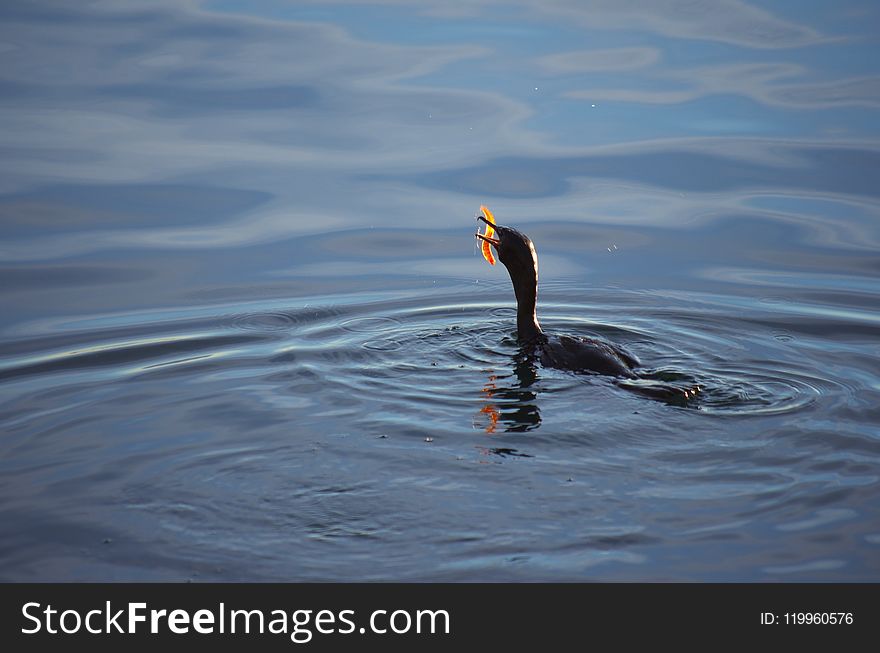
(247, 335)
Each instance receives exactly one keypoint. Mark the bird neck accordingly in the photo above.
(527, 327)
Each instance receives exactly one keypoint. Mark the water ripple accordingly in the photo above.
(336, 388)
(265, 321)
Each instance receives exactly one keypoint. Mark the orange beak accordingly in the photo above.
(487, 238)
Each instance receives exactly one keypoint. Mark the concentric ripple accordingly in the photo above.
(457, 354)
(311, 402)
(447, 356)
(380, 324)
(264, 321)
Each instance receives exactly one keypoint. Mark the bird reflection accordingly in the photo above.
(517, 408)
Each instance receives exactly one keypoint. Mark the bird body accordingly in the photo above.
(580, 354)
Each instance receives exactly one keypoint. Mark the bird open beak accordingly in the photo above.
(488, 239)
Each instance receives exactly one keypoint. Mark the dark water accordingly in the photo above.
(246, 333)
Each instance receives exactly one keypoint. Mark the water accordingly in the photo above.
(247, 335)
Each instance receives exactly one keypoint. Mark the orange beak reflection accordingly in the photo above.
(489, 409)
(493, 414)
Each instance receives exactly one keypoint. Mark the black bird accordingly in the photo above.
(517, 252)
(579, 354)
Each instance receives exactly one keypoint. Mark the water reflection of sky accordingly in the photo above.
(312, 116)
(226, 226)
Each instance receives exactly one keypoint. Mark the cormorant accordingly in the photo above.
(579, 354)
(517, 253)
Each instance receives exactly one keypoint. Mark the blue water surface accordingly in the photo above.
(247, 334)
